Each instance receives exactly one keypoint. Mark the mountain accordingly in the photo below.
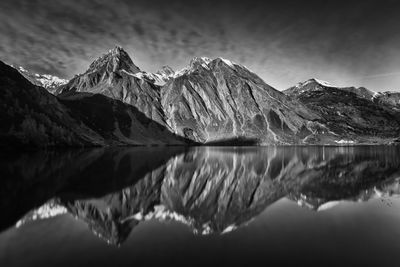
(351, 115)
(116, 76)
(211, 190)
(49, 82)
(389, 99)
(31, 116)
(214, 101)
(210, 101)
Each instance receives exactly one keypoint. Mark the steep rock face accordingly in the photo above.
(33, 117)
(349, 113)
(217, 100)
(114, 75)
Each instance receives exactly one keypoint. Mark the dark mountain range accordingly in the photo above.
(214, 102)
(212, 190)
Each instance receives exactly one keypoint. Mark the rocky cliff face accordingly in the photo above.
(215, 190)
(354, 115)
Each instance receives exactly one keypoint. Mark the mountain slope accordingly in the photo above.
(31, 116)
(350, 113)
(217, 100)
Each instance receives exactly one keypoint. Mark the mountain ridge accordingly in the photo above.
(217, 101)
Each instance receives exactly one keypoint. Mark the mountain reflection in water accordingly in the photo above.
(210, 189)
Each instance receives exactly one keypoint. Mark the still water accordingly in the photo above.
(226, 206)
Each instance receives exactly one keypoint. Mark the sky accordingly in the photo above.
(347, 43)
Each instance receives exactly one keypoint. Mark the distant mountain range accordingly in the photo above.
(211, 101)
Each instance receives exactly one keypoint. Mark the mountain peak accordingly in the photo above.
(117, 49)
(318, 81)
(202, 61)
(166, 71)
(115, 59)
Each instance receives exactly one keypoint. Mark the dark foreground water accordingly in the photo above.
(274, 206)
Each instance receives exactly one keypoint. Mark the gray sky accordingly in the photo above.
(285, 42)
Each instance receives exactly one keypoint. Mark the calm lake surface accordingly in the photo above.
(276, 206)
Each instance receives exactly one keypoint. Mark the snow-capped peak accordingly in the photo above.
(49, 82)
(314, 80)
(324, 83)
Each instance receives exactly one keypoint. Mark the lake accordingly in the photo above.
(227, 206)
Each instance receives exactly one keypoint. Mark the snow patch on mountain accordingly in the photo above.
(324, 83)
(227, 62)
(46, 211)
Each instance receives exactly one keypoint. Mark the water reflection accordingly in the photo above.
(212, 190)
